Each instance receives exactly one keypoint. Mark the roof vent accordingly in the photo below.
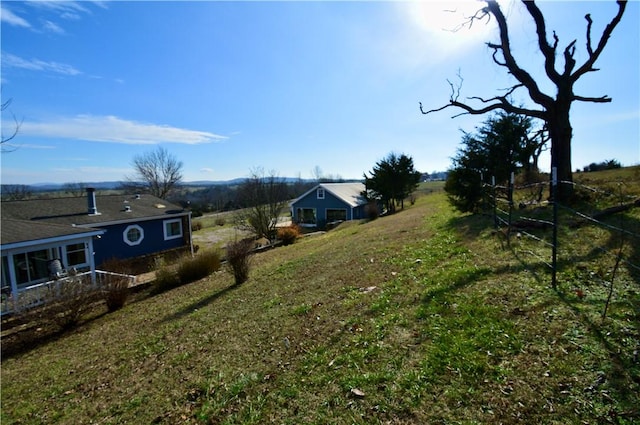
(137, 196)
(127, 208)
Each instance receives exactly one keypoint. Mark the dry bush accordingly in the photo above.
(67, 300)
(196, 225)
(239, 259)
(115, 291)
(202, 265)
(371, 210)
(115, 287)
(220, 221)
(166, 279)
(187, 270)
(288, 234)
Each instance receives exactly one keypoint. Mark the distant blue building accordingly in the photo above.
(329, 203)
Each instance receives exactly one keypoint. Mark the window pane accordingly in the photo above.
(307, 216)
(336, 215)
(21, 267)
(38, 264)
(5, 272)
(173, 228)
(76, 254)
(133, 234)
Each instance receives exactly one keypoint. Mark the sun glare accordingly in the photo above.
(448, 22)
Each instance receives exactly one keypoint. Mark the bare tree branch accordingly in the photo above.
(589, 24)
(4, 142)
(602, 99)
(505, 46)
(549, 52)
(606, 34)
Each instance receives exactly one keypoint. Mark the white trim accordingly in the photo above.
(53, 240)
(125, 236)
(164, 229)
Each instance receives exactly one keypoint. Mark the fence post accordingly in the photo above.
(495, 203)
(510, 195)
(554, 197)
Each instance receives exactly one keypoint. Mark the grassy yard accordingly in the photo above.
(417, 318)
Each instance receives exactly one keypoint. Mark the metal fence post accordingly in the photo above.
(510, 195)
(495, 203)
(554, 196)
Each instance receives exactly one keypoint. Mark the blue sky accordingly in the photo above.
(227, 87)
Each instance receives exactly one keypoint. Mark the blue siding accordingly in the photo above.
(322, 205)
(112, 243)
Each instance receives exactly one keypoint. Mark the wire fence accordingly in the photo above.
(596, 239)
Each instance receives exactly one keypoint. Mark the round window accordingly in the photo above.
(133, 235)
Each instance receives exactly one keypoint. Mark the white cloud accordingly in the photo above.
(12, 19)
(112, 129)
(206, 170)
(26, 146)
(71, 10)
(12, 61)
(53, 27)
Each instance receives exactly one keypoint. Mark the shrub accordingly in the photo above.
(196, 225)
(202, 265)
(68, 299)
(288, 234)
(371, 210)
(220, 221)
(238, 259)
(187, 270)
(115, 288)
(116, 291)
(166, 279)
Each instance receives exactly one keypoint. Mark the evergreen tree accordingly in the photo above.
(392, 180)
(503, 145)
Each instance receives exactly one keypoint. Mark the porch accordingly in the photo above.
(31, 296)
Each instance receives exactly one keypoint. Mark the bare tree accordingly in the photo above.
(4, 141)
(262, 198)
(76, 190)
(16, 192)
(554, 108)
(157, 172)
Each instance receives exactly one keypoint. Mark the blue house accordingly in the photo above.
(329, 203)
(42, 237)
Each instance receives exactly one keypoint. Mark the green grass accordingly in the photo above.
(425, 312)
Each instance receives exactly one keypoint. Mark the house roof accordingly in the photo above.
(45, 218)
(350, 193)
(23, 231)
(74, 211)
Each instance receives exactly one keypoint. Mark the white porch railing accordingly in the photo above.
(35, 295)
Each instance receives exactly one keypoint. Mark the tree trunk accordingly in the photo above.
(561, 133)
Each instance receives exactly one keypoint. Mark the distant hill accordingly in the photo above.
(107, 185)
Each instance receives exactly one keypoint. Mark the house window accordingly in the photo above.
(320, 193)
(76, 254)
(133, 235)
(306, 216)
(6, 283)
(172, 229)
(31, 266)
(336, 215)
